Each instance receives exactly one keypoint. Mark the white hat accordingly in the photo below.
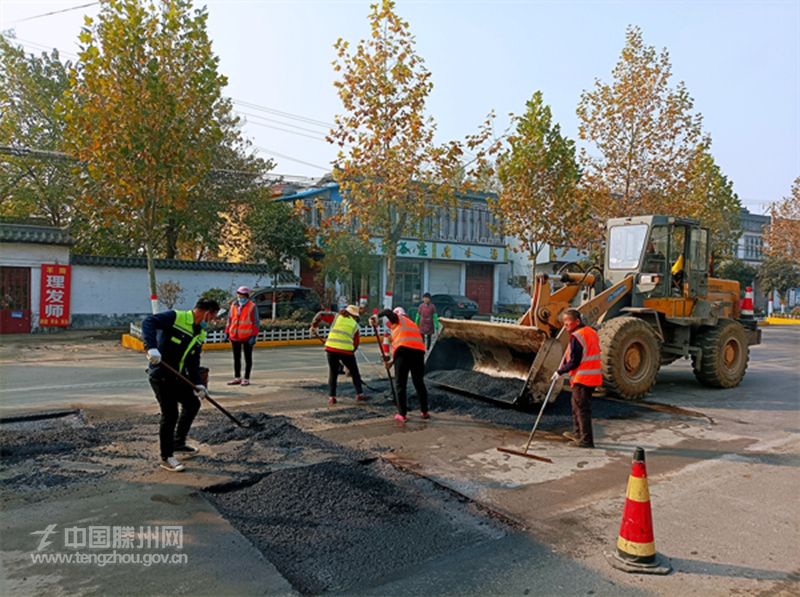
(400, 310)
(353, 310)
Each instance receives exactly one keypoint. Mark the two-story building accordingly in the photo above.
(462, 253)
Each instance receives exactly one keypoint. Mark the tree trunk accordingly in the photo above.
(391, 260)
(171, 234)
(363, 298)
(274, 297)
(151, 273)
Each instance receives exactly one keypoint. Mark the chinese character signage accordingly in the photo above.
(54, 301)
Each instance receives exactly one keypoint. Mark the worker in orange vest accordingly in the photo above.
(582, 362)
(408, 356)
(242, 330)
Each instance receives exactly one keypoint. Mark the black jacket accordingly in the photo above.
(176, 341)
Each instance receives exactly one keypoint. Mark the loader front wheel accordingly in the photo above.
(724, 355)
(631, 356)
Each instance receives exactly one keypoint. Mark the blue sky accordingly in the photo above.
(740, 61)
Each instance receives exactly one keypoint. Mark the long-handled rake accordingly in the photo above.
(388, 373)
(211, 400)
(536, 424)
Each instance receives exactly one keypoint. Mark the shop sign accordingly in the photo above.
(54, 300)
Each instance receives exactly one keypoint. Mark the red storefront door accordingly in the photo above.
(15, 300)
(480, 284)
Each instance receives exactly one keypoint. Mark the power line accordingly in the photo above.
(277, 122)
(286, 157)
(284, 114)
(55, 12)
(269, 126)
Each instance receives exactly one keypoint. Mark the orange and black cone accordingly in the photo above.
(636, 549)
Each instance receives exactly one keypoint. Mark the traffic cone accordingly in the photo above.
(386, 346)
(636, 550)
(747, 305)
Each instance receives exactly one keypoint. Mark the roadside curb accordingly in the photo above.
(780, 321)
(129, 341)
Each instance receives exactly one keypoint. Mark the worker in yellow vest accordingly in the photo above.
(408, 356)
(340, 347)
(582, 363)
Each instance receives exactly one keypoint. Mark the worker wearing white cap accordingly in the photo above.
(242, 330)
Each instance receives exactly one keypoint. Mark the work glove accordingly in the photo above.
(154, 356)
(389, 363)
(555, 376)
(313, 330)
(373, 320)
(252, 340)
(201, 392)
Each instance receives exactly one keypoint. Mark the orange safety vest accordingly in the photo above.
(406, 333)
(589, 372)
(240, 324)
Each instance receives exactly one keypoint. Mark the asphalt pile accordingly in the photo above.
(37, 455)
(338, 523)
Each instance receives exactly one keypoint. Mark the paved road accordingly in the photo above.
(723, 487)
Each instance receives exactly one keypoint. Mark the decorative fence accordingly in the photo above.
(273, 334)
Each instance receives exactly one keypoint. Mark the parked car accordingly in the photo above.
(290, 299)
(452, 305)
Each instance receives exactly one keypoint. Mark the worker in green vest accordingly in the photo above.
(340, 347)
(176, 338)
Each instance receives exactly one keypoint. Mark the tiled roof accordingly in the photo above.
(162, 264)
(40, 235)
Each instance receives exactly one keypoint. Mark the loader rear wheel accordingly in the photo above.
(724, 356)
(631, 356)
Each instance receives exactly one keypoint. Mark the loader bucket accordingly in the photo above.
(490, 360)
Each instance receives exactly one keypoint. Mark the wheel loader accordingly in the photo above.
(653, 303)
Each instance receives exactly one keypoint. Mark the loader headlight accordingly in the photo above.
(650, 279)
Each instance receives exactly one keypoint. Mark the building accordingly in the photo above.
(461, 255)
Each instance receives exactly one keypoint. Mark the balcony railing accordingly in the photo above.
(467, 224)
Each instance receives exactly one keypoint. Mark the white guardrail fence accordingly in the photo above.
(280, 333)
(276, 334)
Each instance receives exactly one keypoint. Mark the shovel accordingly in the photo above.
(388, 373)
(211, 400)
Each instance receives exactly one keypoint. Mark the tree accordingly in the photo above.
(388, 167)
(710, 198)
(783, 236)
(277, 236)
(538, 202)
(778, 274)
(41, 184)
(144, 115)
(347, 260)
(736, 269)
(645, 134)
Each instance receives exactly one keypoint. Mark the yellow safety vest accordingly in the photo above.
(342, 333)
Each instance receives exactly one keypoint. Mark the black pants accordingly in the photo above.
(582, 413)
(173, 429)
(408, 360)
(349, 361)
(237, 359)
(427, 338)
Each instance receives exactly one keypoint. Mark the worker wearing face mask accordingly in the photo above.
(176, 338)
(242, 331)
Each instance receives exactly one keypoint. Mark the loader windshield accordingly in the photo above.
(625, 244)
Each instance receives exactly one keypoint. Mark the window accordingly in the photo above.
(625, 246)
(698, 249)
(753, 247)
